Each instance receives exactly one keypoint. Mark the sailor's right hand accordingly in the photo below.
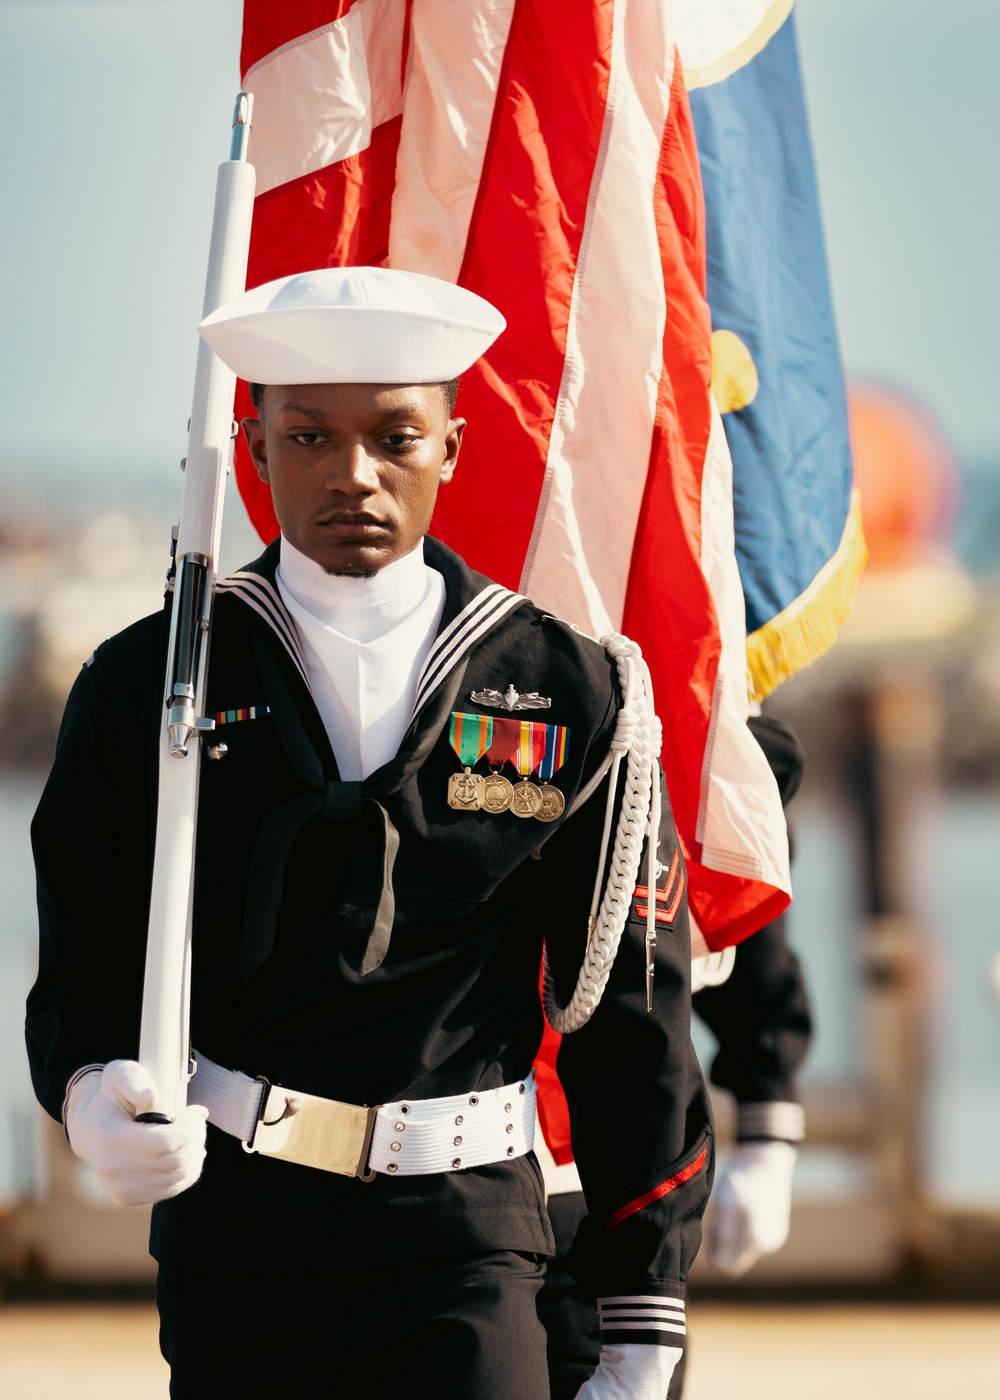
(136, 1163)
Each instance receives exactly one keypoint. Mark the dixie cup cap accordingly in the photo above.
(353, 325)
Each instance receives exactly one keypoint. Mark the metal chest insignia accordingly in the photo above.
(511, 699)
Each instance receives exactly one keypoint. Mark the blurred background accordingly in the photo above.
(116, 114)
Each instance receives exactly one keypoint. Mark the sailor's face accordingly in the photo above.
(354, 469)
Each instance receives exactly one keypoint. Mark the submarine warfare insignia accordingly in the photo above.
(470, 737)
(534, 749)
(511, 699)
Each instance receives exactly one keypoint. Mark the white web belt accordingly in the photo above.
(414, 1137)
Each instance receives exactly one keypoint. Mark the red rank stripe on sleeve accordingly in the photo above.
(673, 886)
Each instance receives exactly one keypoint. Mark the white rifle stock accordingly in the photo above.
(164, 1038)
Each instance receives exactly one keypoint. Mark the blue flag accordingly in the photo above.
(777, 373)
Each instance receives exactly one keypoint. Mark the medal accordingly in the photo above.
(470, 736)
(465, 791)
(526, 798)
(499, 790)
(553, 803)
(554, 755)
(497, 793)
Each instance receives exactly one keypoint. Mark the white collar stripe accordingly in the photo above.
(264, 591)
(459, 637)
(445, 642)
(479, 618)
(476, 625)
(277, 613)
(258, 594)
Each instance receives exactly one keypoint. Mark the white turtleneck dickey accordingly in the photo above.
(365, 641)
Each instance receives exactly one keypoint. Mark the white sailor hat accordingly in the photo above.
(353, 325)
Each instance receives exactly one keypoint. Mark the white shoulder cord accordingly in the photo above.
(638, 736)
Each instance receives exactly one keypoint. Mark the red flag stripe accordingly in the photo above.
(267, 26)
(524, 242)
(680, 642)
(578, 562)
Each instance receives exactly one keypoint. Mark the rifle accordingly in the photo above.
(164, 1048)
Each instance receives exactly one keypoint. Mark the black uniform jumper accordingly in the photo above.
(323, 964)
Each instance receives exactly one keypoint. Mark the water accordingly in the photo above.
(21, 1165)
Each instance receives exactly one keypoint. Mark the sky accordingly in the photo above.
(116, 113)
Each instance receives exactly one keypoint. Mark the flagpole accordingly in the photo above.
(164, 1037)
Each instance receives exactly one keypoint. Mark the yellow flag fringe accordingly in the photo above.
(802, 632)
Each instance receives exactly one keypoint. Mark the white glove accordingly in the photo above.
(635, 1371)
(752, 1204)
(136, 1163)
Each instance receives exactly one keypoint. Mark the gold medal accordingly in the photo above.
(497, 792)
(465, 791)
(525, 799)
(553, 803)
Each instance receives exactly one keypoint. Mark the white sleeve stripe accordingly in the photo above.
(643, 1327)
(641, 1312)
(651, 1299)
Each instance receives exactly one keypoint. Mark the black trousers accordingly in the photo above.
(573, 1337)
(456, 1329)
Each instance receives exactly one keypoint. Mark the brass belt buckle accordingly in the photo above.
(315, 1132)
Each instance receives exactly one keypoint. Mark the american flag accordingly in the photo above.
(541, 153)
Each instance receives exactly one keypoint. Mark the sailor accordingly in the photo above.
(404, 798)
(761, 1019)
(753, 998)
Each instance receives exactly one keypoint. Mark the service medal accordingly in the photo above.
(555, 752)
(553, 804)
(525, 799)
(465, 791)
(497, 793)
(470, 737)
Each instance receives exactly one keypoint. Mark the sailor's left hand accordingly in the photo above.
(635, 1371)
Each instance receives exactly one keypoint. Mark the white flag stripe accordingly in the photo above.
(741, 826)
(317, 99)
(456, 52)
(581, 550)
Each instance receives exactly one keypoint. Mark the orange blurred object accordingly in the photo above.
(906, 474)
